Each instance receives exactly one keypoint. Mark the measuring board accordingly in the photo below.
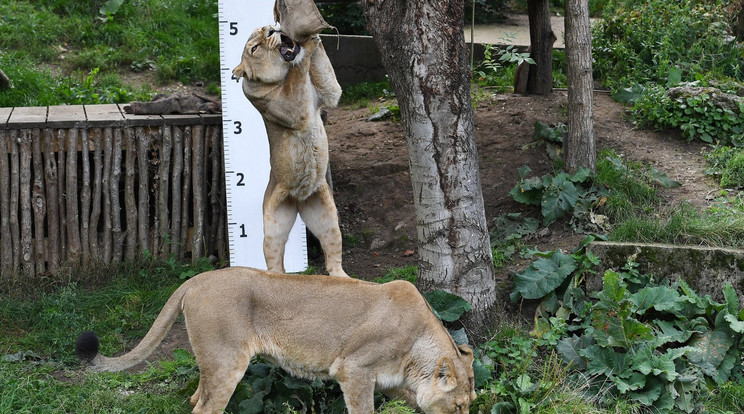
(246, 145)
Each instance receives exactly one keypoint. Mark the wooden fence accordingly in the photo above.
(81, 185)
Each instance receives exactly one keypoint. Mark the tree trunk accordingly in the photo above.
(424, 52)
(540, 79)
(580, 147)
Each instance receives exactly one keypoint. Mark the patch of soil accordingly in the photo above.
(372, 185)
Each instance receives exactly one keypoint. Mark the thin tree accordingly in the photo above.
(540, 79)
(580, 146)
(423, 49)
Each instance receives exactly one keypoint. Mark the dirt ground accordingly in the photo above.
(372, 186)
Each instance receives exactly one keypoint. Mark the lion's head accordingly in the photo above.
(268, 55)
(452, 386)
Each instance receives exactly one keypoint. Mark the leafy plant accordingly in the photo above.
(698, 116)
(556, 195)
(496, 58)
(654, 342)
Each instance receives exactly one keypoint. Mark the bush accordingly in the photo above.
(733, 174)
(630, 46)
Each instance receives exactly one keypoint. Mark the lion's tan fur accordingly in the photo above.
(365, 335)
(289, 96)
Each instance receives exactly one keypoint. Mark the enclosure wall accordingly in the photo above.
(83, 185)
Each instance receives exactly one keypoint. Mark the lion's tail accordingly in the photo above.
(87, 344)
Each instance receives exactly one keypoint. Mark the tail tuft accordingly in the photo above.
(86, 346)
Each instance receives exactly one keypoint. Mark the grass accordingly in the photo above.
(50, 47)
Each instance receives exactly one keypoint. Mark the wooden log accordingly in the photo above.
(129, 198)
(186, 191)
(27, 263)
(164, 188)
(38, 198)
(50, 172)
(71, 195)
(117, 235)
(61, 185)
(85, 196)
(143, 140)
(6, 245)
(199, 185)
(15, 228)
(177, 173)
(215, 157)
(95, 209)
(106, 238)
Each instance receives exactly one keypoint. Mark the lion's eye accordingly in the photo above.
(253, 49)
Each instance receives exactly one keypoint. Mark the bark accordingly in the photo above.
(580, 146)
(540, 79)
(424, 52)
(215, 214)
(61, 185)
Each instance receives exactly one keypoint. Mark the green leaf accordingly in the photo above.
(663, 180)
(569, 350)
(731, 299)
(449, 307)
(709, 351)
(558, 198)
(661, 298)
(734, 323)
(544, 275)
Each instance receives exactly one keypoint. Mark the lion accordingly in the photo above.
(289, 84)
(366, 336)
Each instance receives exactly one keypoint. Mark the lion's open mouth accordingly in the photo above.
(288, 49)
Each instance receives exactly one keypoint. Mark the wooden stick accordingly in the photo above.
(6, 244)
(199, 186)
(50, 170)
(186, 186)
(116, 233)
(62, 185)
(175, 230)
(85, 196)
(105, 183)
(71, 195)
(25, 200)
(162, 204)
(15, 228)
(95, 211)
(129, 199)
(143, 140)
(39, 203)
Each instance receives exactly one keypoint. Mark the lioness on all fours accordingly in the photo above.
(367, 336)
(289, 83)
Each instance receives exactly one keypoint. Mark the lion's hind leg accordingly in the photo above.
(320, 215)
(218, 378)
(279, 215)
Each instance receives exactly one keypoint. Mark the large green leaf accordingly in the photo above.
(558, 198)
(447, 306)
(661, 298)
(569, 349)
(709, 351)
(544, 275)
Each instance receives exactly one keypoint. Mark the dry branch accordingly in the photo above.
(39, 203)
(50, 171)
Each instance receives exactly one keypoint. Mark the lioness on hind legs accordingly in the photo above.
(289, 84)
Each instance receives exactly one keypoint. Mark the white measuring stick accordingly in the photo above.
(247, 146)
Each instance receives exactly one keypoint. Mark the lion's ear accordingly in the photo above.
(444, 375)
(467, 352)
